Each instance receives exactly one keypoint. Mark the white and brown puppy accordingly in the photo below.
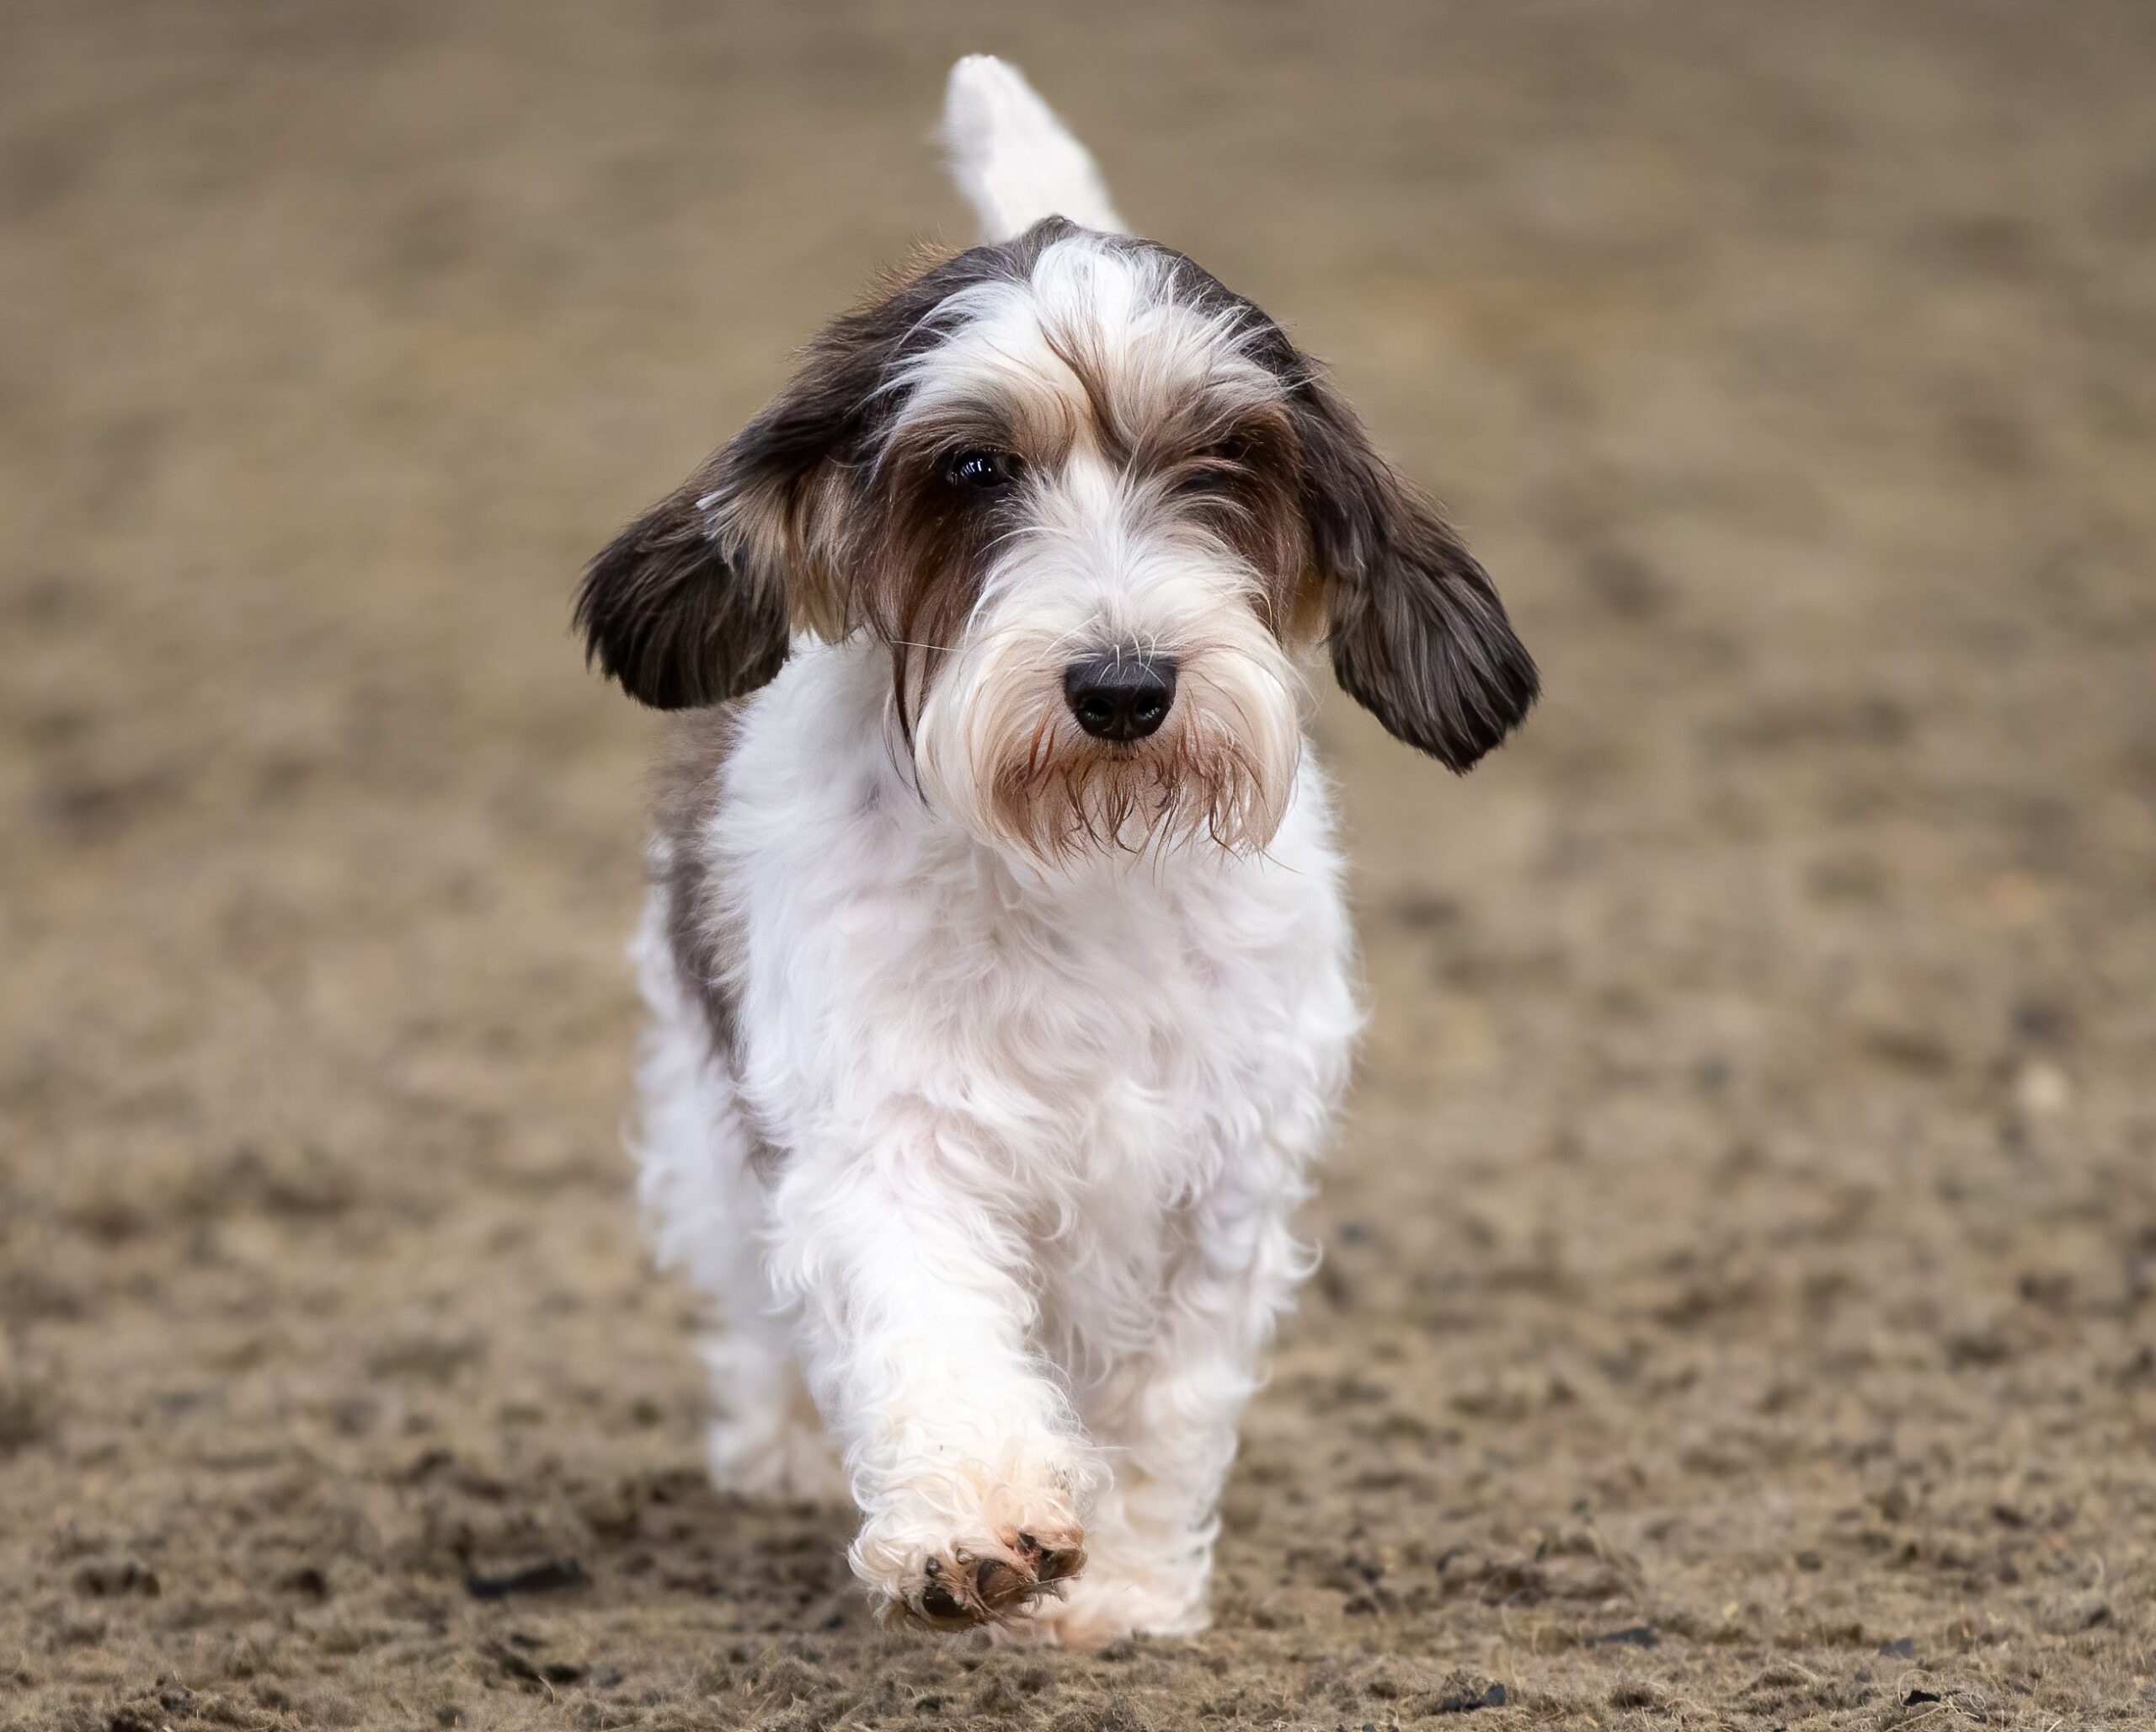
(1000, 985)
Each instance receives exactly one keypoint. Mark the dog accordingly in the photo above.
(1000, 984)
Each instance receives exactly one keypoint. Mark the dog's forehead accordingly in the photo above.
(1101, 335)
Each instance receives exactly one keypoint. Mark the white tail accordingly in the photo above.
(1012, 158)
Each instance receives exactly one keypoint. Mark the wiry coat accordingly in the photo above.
(971, 1127)
(993, 1036)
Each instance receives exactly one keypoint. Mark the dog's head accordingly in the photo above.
(1096, 506)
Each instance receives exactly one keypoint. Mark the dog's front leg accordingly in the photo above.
(972, 1479)
(1169, 1414)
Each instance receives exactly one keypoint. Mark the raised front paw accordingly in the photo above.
(990, 1563)
(967, 1586)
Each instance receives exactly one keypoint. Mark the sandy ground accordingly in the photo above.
(1740, 1296)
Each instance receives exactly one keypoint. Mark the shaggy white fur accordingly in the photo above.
(1002, 990)
(1013, 159)
(1044, 1137)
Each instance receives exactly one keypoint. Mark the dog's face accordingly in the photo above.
(1095, 505)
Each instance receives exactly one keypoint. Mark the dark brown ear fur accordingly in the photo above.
(665, 612)
(695, 602)
(1419, 638)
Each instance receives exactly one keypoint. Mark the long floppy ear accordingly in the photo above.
(1418, 636)
(677, 615)
(696, 601)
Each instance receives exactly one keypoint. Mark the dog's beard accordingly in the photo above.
(999, 748)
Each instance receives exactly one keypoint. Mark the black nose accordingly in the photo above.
(1123, 695)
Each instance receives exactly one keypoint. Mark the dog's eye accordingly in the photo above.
(987, 470)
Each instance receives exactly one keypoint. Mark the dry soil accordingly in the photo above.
(1739, 1303)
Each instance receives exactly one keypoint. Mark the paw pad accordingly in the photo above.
(967, 1588)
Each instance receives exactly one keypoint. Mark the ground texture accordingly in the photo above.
(1739, 1304)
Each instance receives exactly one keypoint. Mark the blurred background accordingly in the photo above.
(1737, 1297)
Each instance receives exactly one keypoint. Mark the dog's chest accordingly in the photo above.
(1141, 1031)
(1134, 1036)
(1127, 1030)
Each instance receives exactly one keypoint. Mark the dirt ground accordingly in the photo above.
(1739, 1304)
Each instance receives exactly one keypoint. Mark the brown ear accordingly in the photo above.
(1418, 636)
(696, 601)
(673, 616)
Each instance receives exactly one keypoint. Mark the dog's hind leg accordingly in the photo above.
(704, 1208)
(766, 1438)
